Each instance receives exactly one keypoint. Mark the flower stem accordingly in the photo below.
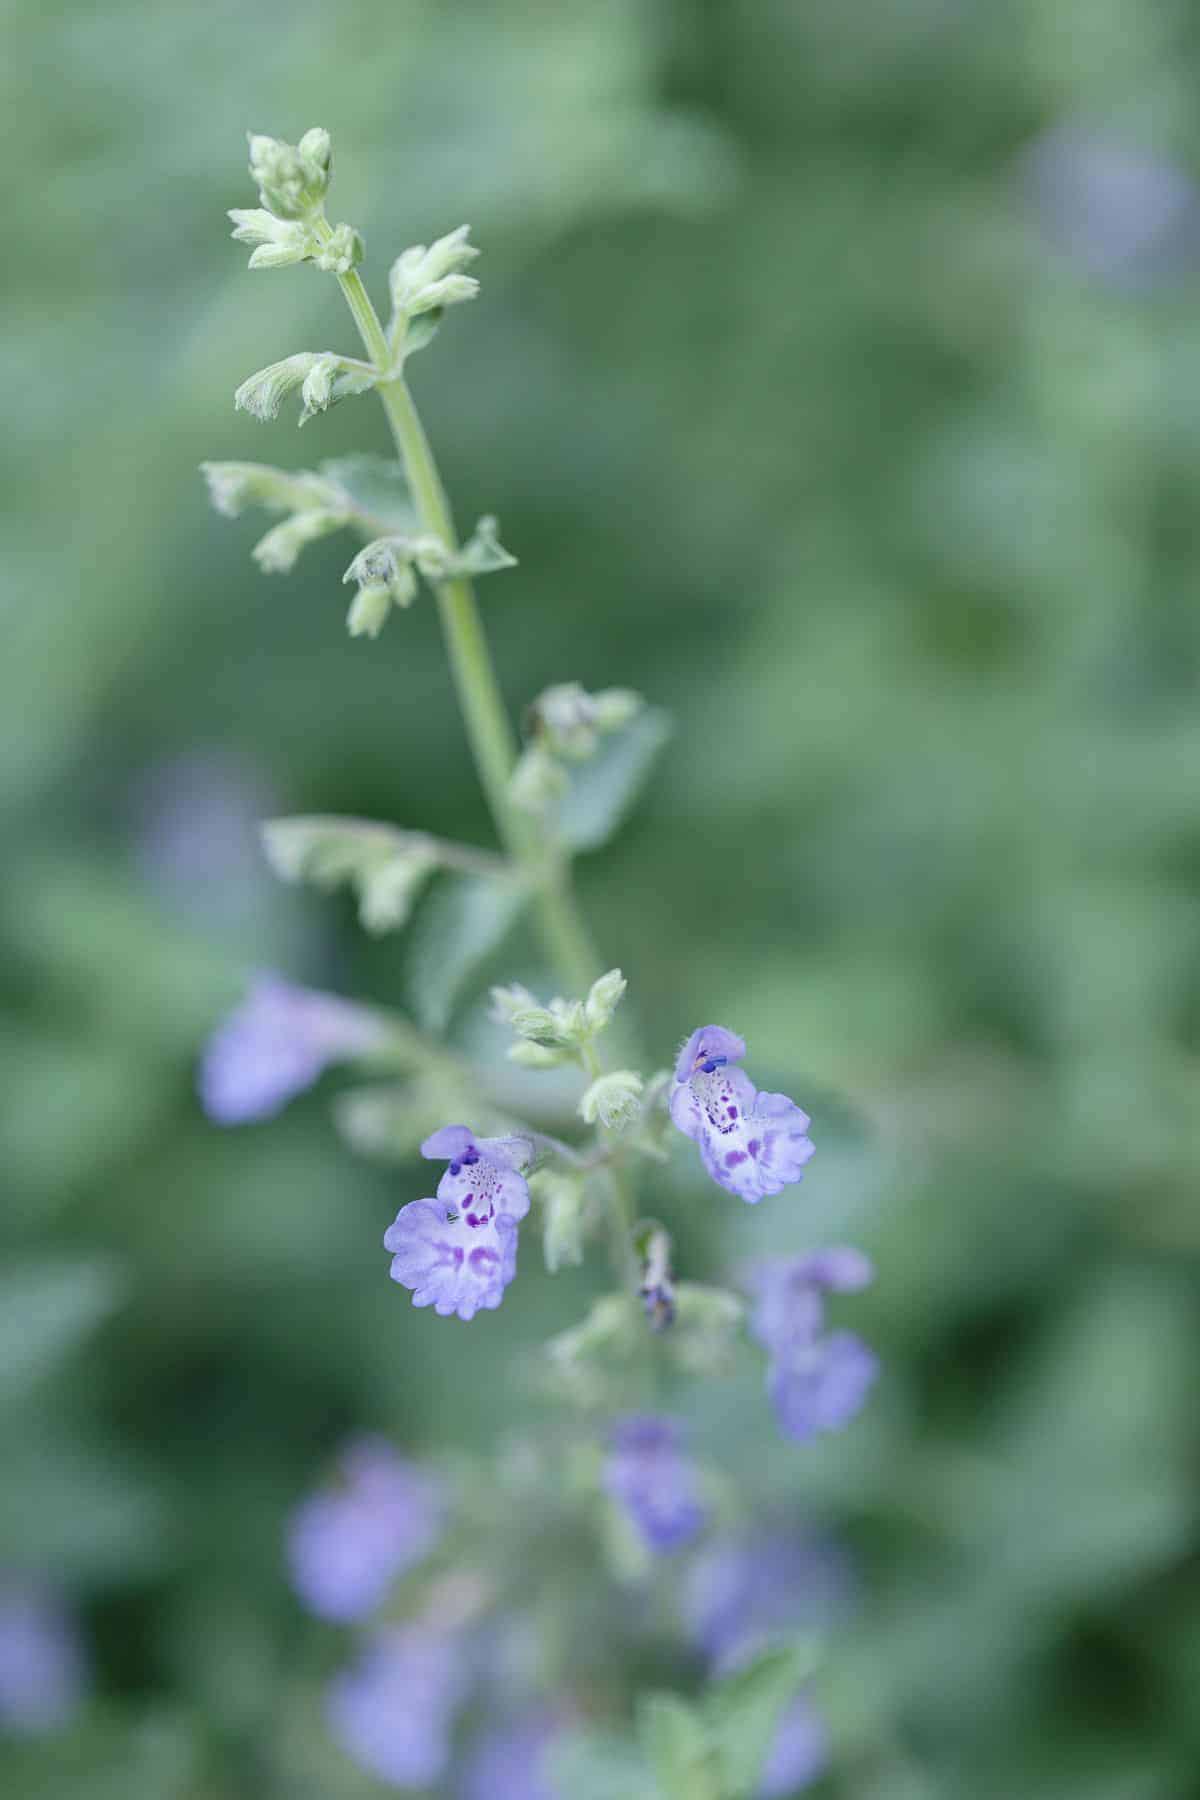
(488, 729)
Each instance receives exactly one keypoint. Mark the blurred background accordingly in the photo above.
(837, 382)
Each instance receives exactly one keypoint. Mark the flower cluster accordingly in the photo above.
(348, 1544)
(817, 1379)
(752, 1143)
(458, 1252)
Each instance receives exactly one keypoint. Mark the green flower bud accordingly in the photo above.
(276, 553)
(562, 1200)
(332, 378)
(614, 708)
(537, 1023)
(426, 279)
(342, 252)
(604, 998)
(385, 578)
(508, 1001)
(483, 552)
(291, 179)
(264, 392)
(613, 1100)
(538, 782)
(280, 241)
(232, 487)
(528, 1055)
(369, 609)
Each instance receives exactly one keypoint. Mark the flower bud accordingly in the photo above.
(538, 782)
(291, 179)
(276, 553)
(425, 279)
(603, 999)
(563, 1202)
(342, 252)
(612, 1100)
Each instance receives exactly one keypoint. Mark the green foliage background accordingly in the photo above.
(793, 425)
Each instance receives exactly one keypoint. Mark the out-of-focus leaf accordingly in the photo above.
(75, 1508)
(590, 1765)
(744, 1710)
(462, 921)
(47, 1308)
(604, 789)
(679, 1748)
(376, 486)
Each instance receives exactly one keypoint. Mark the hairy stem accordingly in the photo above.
(488, 729)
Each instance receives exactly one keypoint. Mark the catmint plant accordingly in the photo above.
(570, 1126)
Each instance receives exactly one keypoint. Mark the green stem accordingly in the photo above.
(488, 729)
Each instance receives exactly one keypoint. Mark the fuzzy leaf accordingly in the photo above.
(464, 919)
(602, 790)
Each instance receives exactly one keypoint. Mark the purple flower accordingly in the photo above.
(43, 1672)
(276, 1044)
(799, 1752)
(752, 1143)
(817, 1380)
(346, 1546)
(511, 1762)
(656, 1484)
(458, 1252)
(743, 1593)
(1110, 206)
(394, 1709)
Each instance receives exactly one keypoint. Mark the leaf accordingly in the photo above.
(377, 488)
(744, 1710)
(47, 1308)
(604, 788)
(679, 1748)
(463, 920)
(590, 1765)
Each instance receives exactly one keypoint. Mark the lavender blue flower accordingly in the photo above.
(510, 1762)
(799, 1753)
(276, 1044)
(649, 1475)
(393, 1711)
(346, 1546)
(458, 1252)
(817, 1380)
(752, 1143)
(43, 1672)
(743, 1593)
(1113, 208)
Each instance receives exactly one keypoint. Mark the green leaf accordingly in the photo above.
(590, 1765)
(463, 920)
(47, 1308)
(377, 488)
(679, 1748)
(743, 1713)
(603, 789)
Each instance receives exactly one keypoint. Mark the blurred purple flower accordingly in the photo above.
(347, 1545)
(393, 1711)
(1114, 209)
(799, 1753)
(43, 1671)
(277, 1043)
(817, 1380)
(510, 1762)
(744, 1592)
(196, 818)
(822, 1386)
(458, 1253)
(752, 1143)
(648, 1473)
